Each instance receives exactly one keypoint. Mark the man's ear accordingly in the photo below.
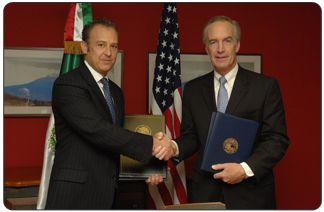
(238, 45)
(206, 48)
(84, 47)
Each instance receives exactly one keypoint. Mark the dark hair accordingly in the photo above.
(101, 21)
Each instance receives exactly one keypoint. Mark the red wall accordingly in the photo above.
(288, 35)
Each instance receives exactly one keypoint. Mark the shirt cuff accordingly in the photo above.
(177, 153)
(247, 169)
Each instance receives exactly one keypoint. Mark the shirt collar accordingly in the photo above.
(95, 74)
(230, 76)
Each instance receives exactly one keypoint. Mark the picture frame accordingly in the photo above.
(29, 74)
(197, 64)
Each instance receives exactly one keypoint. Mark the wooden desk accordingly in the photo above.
(21, 185)
(22, 176)
(196, 206)
(27, 203)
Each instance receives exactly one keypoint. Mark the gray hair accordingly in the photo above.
(237, 28)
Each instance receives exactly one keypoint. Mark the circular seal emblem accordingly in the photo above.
(144, 129)
(230, 146)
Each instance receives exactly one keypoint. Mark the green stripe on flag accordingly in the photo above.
(87, 13)
(71, 61)
(74, 60)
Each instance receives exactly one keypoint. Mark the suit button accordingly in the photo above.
(114, 177)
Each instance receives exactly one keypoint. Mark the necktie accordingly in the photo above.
(108, 98)
(222, 98)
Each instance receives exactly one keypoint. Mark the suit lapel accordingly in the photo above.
(239, 90)
(208, 92)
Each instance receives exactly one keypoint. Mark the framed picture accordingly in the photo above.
(29, 74)
(194, 65)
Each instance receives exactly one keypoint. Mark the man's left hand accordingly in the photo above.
(155, 179)
(232, 172)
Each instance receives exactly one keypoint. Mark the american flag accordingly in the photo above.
(167, 100)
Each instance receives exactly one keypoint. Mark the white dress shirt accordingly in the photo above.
(96, 76)
(230, 77)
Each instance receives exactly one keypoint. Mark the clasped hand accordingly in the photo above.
(231, 173)
(163, 147)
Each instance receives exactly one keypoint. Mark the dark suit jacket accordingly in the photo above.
(256, 97)
(85, 170)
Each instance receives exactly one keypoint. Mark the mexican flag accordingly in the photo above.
(79, 15)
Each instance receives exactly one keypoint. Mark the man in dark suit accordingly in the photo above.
(249, 185)
(90, 137)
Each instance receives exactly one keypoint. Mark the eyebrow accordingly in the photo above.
(101, 41)
(229, 37)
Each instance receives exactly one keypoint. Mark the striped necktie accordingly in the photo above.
(108, 98)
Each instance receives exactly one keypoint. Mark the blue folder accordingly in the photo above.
(230, 140)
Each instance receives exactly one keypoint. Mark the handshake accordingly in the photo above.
(163, 147)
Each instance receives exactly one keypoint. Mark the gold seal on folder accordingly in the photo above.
(230, 145)
(144, 129)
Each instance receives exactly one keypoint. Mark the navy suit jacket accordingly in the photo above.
(86, 164)
(256, 97)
